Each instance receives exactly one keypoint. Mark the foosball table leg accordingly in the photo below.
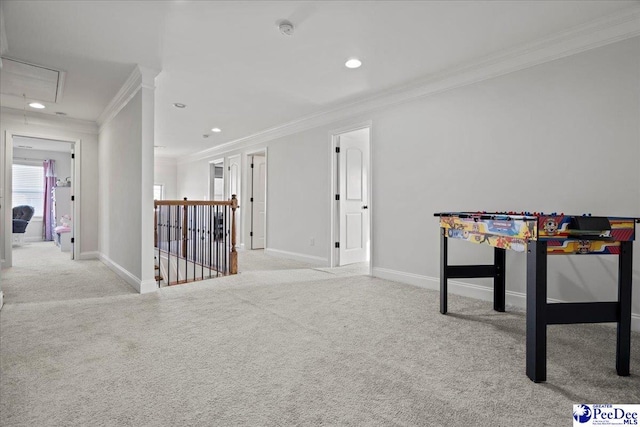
(499, 289)
(537, 311)
(623, 343)
(443, 270)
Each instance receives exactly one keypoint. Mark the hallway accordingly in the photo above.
(42, 273)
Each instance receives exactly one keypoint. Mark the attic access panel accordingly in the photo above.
(33, 81)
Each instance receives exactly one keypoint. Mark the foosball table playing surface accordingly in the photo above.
(541, 235)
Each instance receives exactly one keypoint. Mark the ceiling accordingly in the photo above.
(234, 70)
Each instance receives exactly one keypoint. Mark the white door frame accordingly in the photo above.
(224, 181)
(249, 192)
(333, 190)
(8, 186)
(227, 170)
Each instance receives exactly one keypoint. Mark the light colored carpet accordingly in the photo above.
(291, 347)
(357, 269)
(256, 260)
(31, 278)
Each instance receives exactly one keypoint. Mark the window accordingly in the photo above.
(28, 187)
(158, 191)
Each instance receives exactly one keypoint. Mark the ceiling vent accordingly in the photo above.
(33, 81)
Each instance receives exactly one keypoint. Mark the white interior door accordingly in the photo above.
(353, 182)
(258, 205)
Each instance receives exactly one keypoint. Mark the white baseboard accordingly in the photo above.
(315, 260)
(89, 255)
(148, 286)
(137, 284)
(515, 299)
(407, 278)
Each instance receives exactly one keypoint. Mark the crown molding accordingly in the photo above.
(4, 44)
(122, 98)
(609, 29)
(148, 76)
(42, 119)
(140, 78)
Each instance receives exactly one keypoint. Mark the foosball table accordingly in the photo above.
(541, 235)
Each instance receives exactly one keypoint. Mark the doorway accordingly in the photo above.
(351, 196)
(258, 200)
(216, 180)
(41, 177)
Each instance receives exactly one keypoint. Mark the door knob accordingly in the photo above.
(365, 207)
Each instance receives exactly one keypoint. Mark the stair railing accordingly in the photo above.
(195, 239)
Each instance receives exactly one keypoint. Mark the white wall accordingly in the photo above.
(126, 192)
(63, 170)
(50, 127)
(193, 179)
(120, 159)
(297, 184)
(298, 195)
(165, 172)
(562, 136)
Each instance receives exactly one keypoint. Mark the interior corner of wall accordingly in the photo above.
(125, 275)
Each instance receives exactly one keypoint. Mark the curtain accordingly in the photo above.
(48, 222)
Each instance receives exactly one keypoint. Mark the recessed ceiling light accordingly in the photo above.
(178, 105)
(353, 63)
(36, 105)
(216, 130)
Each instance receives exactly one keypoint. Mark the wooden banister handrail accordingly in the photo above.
(189, 241)
(193, 202)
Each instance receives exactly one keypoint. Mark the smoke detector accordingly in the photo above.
(286, 28)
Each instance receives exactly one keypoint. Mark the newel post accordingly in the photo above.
(184, 230)
(155, 224)
(233, 256)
